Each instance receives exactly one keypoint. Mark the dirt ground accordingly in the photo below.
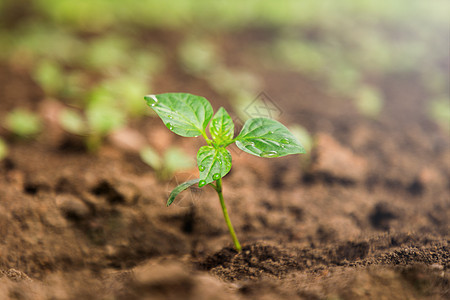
(365, 216)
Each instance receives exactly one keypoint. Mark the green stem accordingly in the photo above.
(225, 215)
(205, 136)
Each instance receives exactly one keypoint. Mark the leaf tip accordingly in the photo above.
(151, 100)
(169, 201)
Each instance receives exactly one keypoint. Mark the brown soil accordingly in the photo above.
(366, 216)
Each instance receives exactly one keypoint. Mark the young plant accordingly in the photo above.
(23, 123)
(99, 121)
(189, 115)
(165, 165)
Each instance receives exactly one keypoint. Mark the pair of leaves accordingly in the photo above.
(189, 115)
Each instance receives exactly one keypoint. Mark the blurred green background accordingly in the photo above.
(99, 57)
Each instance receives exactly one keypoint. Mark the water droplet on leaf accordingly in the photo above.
(169, 125)
(216, 176)
(201, 168)
(153, 101)
(284, 141)
(269, 154)
(201, 183)
(270, 132)
(250, 145)
(170, 116)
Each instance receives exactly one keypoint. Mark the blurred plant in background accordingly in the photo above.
(368, 101)
(99, 57)
(440, 111)
(304, 136)
(23, 123)
(165, 165)
(3, 149)
(99, 120)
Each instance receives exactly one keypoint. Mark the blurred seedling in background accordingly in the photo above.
(3, 149)
(439, 110)
(302, 134)
(307, 140)
(124, 92)
(369, 101)
(238, 85)
(39, 41)
(99, 120)
(189, 115)
(166, 164)
(198, 56)
(302, 55)
(108, 53)
(50, 77)
(117, 54)
(23, 123)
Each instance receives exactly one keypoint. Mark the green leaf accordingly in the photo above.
(23, 123)
(213, 164)
(176, 159)
(180, 188)
(103, 119)
(267, 138)
(50, 77)
(303, 136)
(151, 157)
(222, 127)
(185, 114)
(72, 122)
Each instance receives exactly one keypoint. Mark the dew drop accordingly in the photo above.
(169, 125)
(201, 183)
(284, 141)
(216, 176)
(270, 132)
(201, 168)
(170, 116)
(250, 145)
(151, 99)
(269, 154)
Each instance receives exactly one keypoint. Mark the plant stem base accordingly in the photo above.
(225, 215)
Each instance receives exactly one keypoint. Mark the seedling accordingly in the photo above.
(302, 134)
(198, 56)
(369, 101)
(100, 120)
(189, 115)
(50, 77)
(23, 123)
(167, 164)
(439, 110)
